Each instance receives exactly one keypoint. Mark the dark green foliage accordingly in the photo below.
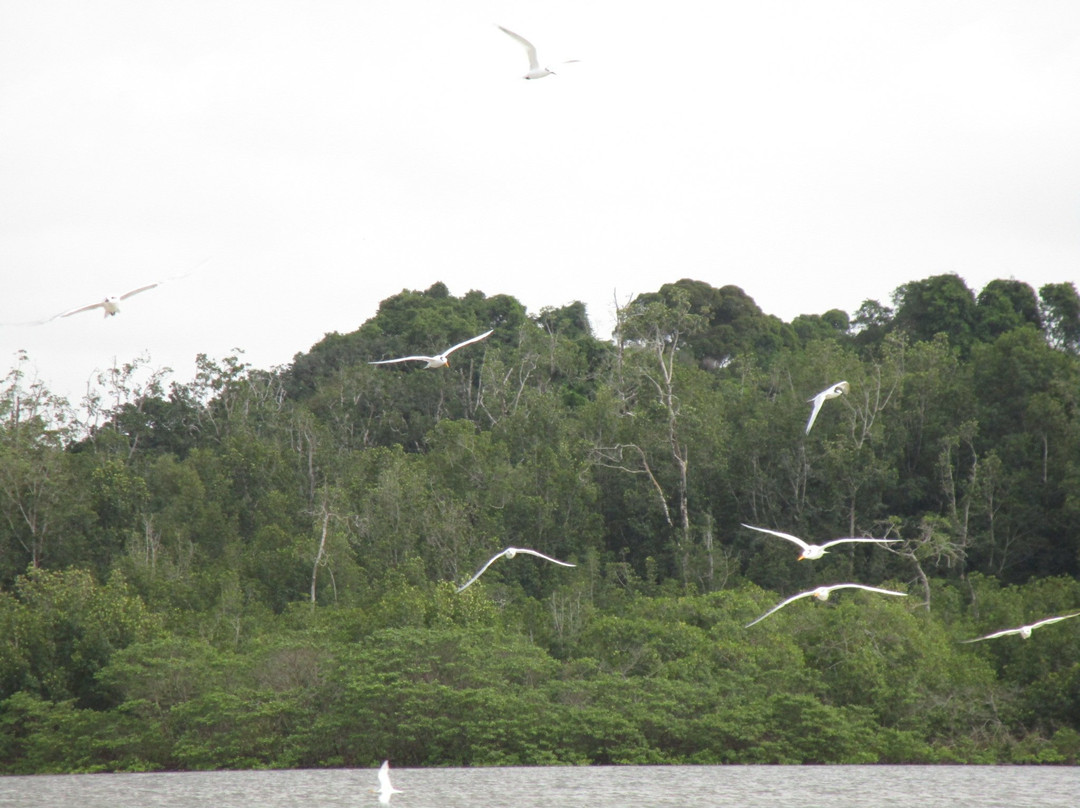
(62, 629)
(1059, 306)
(871, 322)
(259, 568)
(407, 323)
(832, 324)
(732, 323)
(1004, 305)
(942, 304)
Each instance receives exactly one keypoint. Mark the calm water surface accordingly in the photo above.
(596, 787)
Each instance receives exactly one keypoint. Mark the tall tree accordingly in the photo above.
(1060, 307)
(652, 331)
(37, 490)
(1004, 305)
(941, 304)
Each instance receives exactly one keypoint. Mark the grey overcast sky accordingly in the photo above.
(327, 154)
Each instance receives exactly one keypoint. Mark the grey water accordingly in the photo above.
(593, 786)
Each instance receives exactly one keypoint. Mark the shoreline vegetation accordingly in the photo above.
(258, 568)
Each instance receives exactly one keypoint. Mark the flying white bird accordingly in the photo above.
(535, 71)
(822, 593)
(510, 552)
(439, 360)
(385, 789)
(1025, 631)
(111, 303)
(814, 551)
(836, 390)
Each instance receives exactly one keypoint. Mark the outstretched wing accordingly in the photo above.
(1050, 620)
(868, 589)
(995, 634)
(78, 310)
(485, 335)
(133, 292)
(777, 533)
(472, 580)
(541, 555)
(530, 49)
(384, 776)
(863, 541)
(780, 606)
(403, 359)
(818, 400)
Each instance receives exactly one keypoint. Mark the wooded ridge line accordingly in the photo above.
(260, 567)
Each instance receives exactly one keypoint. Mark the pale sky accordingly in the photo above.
(328, 154)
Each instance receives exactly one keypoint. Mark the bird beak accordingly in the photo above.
(802, 557)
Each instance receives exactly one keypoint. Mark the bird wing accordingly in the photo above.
(486, 334)
(530, 49)
(1049, 620)
(541, 555)
(126, 295)
(867, 588)
(787, 536)
(818, 400)
(780, 606)
(995, 634)
(403, 359)
(490, 561)
(80, 309)
(384, 776)
(846, 541)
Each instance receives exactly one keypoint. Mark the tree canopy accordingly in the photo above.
(259, 567)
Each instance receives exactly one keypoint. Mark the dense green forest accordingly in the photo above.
(258, 568)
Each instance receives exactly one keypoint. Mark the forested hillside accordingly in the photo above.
(258, 567)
